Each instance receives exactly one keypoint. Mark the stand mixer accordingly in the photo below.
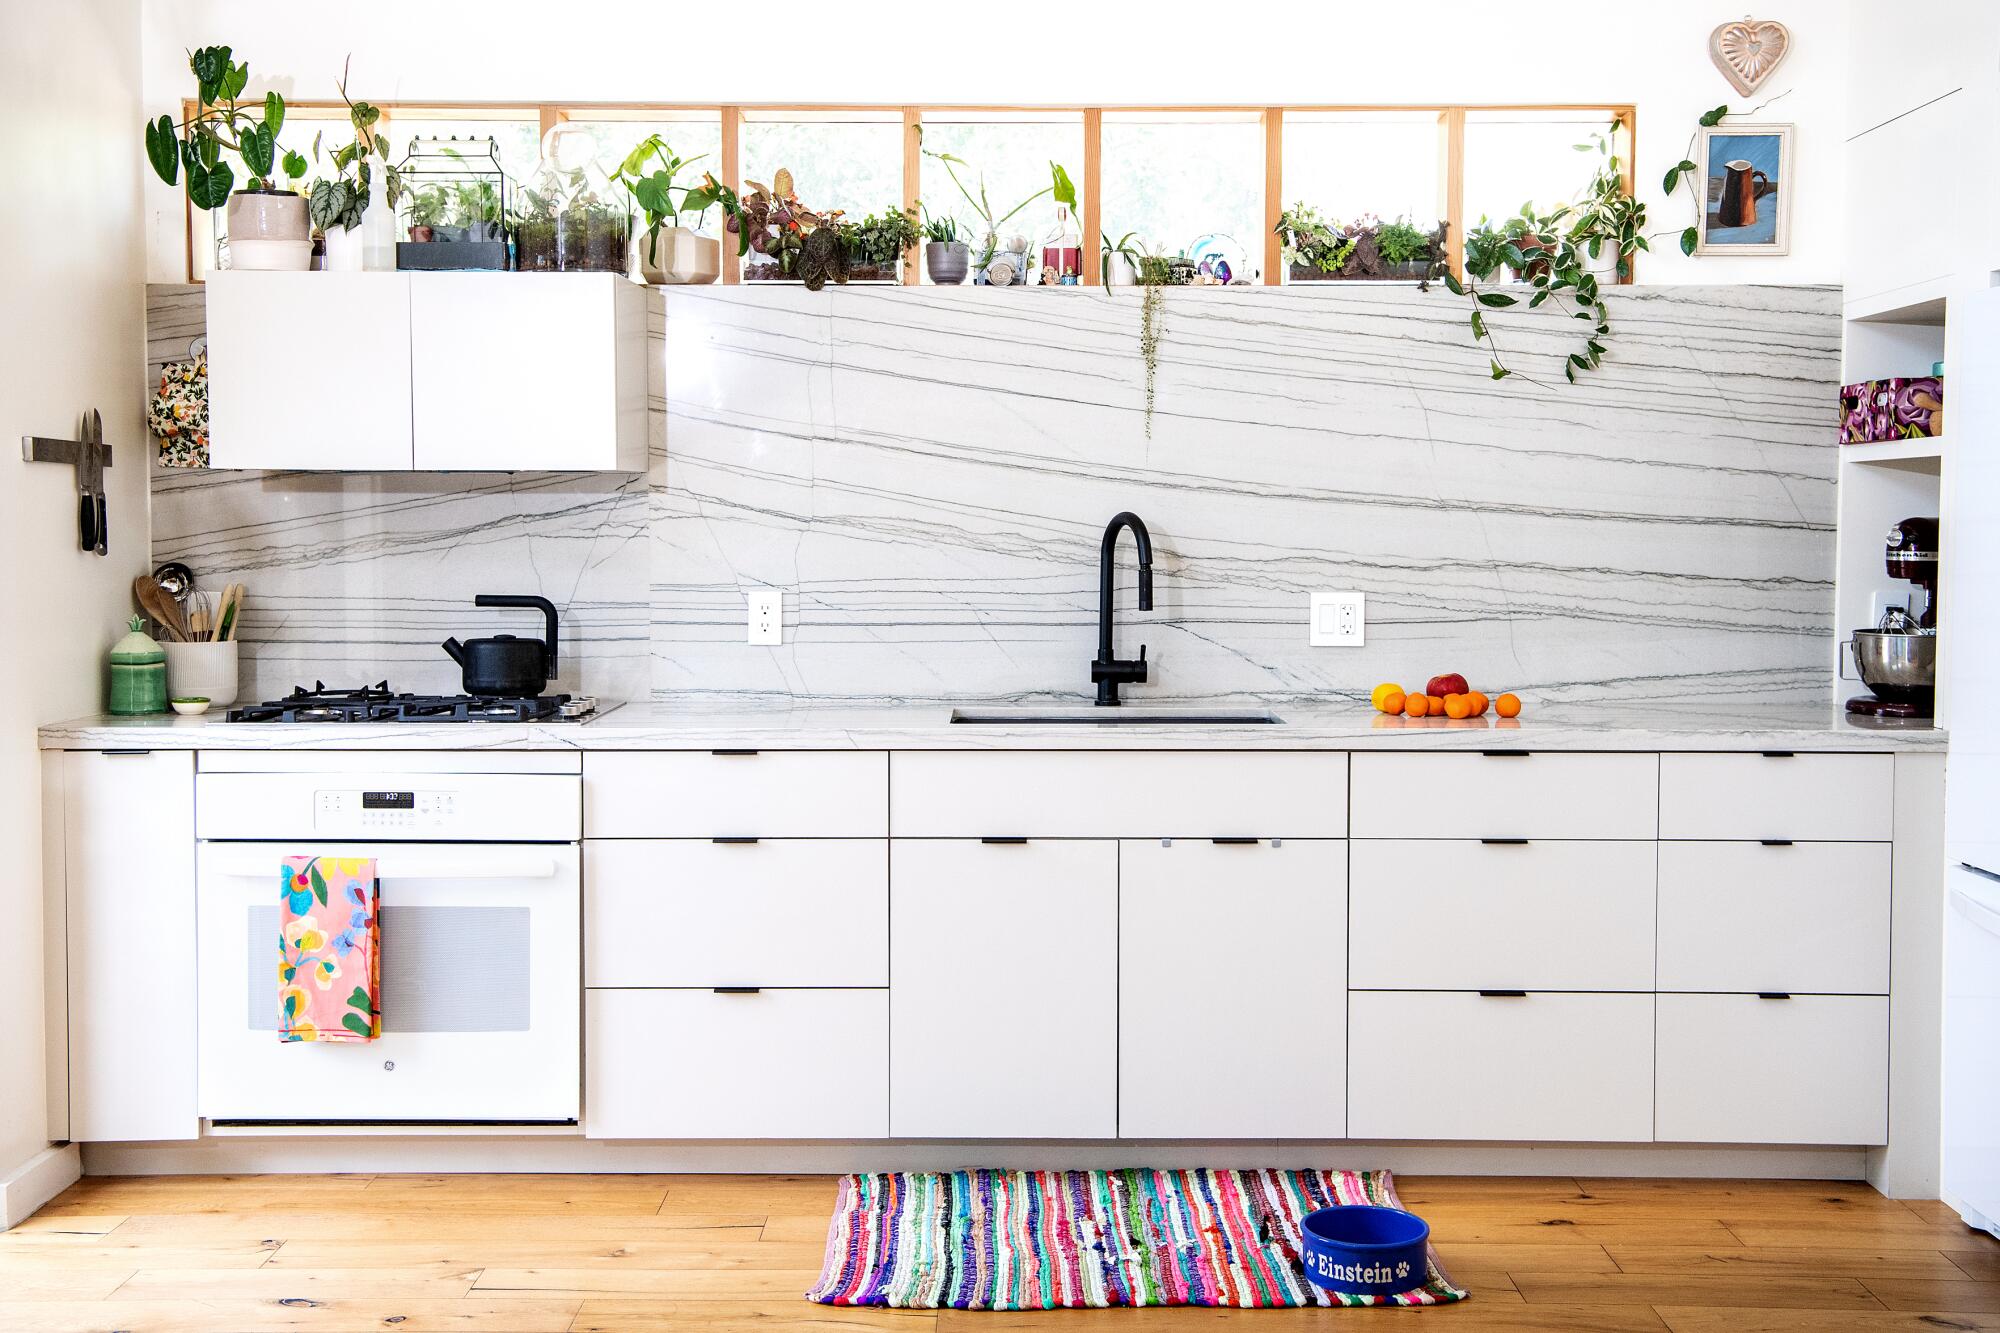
(1897, 660)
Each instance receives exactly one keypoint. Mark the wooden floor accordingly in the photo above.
(733, 1253)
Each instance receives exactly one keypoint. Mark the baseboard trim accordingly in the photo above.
(28, 1186)
(543, 1155)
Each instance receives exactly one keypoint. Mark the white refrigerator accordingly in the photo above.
(1970, 619)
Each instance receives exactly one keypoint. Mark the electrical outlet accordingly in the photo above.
(767, 615)
(1337, 620)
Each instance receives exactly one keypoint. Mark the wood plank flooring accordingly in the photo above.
(732, 1254)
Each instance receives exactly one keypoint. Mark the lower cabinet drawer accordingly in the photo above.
(1811, 917)
(778, 1064)
(792, 912)
(1826, 797)
(1505, 794)
(1549, 1067)
(1568, 916)
(1740, 1069)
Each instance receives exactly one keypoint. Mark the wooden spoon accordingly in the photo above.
(159, 607)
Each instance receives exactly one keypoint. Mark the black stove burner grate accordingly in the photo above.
(378, 703)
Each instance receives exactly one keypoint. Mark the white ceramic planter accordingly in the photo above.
(269, 231)
(1119, 270)
(679, 257)
(346, 251)
(202, 670)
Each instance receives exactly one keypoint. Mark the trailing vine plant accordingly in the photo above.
(1690, 172)
(1550, 251)
(1155, 272)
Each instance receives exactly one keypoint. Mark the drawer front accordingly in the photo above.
(771, 794)
(1821, 797)
(1505, 795)
(791, 912)
(1808, 917)
(780, 1064)
(1738, 1069)
(1465, 915)
(1119, 795)
(1444, 1065)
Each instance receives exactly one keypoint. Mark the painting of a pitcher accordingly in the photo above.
(1745, 209)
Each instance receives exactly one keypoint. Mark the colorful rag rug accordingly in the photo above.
(329, 949)
(1041, 1240)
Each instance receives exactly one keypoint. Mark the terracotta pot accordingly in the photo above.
(676, 256)
(269, 229)
(424, 234)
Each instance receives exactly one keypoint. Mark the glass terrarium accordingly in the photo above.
(572, 219)
(453, 205)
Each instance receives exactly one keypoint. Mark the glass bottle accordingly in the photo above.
(1063, 250)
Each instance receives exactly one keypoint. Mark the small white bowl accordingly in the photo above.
(190, 707)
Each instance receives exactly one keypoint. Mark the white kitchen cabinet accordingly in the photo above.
(1505, 794)
(128, 853)
(736, 794)
(431, 372)
(1450, 1065)
(309, 371)
(1118, 794)
(1748, 1069)
(527, 371)
(788, 912)
(1004, 989)
(1742, 916)
(1534, 916)
(770, 1064)
(1205, 1050)
(1818, 797)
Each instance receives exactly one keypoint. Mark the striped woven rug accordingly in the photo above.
(1040, 1240)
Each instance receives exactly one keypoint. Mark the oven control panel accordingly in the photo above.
(406, 810)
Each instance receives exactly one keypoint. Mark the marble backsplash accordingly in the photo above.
(926, 474)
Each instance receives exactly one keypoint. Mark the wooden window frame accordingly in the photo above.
(1451, 121)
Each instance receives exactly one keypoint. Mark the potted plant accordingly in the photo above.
(1011, 258)
(1610, 224)
(1118, 263)
(792, 243)
(874, 246)
(1408, 253)
(268, 226)
(428, 206)
(573, 219)
(1314, 250)
(338, 204)
(669, 252)
(945, 256)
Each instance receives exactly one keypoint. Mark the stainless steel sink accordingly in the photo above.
(1122, 716)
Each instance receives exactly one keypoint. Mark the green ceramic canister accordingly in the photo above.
(138, 674)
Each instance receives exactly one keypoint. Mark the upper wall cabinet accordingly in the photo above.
(427, 372)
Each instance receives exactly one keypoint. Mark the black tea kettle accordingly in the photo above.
(503, 664)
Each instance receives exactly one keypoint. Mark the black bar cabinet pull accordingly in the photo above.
(1505, 842)
(1776, 842)
(1235, 842)
(1779, 754)
(1774, 995)
(1003, 842)
(1505, 754)
(732, 752)
(733, 841)
(1505, 994)
(738, 990)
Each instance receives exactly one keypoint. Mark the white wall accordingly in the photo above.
(74, 337)
(1652, 54)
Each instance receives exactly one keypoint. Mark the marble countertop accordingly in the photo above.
(926, 726)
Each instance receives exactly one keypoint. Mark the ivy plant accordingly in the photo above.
(220, 122)
(1690, 173)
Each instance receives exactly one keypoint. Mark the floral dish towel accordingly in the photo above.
(329, 949)
(178, 413)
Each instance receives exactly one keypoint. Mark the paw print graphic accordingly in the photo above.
(1402, 1270)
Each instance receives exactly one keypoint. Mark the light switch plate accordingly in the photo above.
(767, 615)
(1338, 620)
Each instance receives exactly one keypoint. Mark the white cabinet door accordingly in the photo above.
(774, 1064)
(1811, 917)
(1566, 916)
(1744, 1069)
(309, 370)
(1210, 1047)
(1505, 794)
(528, 371)
(1807, 797)
(1003, 966)
(1542, 1066)
(128, 844)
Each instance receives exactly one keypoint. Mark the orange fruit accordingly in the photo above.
(1479, 702)
(1507, 705)
(1416, 705)
(1458, 705)
(1381, 694)
(1392, 702)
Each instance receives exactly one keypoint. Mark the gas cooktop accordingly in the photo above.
(378, 703)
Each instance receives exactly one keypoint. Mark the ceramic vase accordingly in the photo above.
(677, 256)
(947, 261)
(269, 229)
(138, 679)
(202, 671)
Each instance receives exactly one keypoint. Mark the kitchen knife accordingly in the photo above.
(94, 437)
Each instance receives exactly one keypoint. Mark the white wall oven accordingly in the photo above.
(480, 899)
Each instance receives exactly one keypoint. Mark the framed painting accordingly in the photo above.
(1746, 205)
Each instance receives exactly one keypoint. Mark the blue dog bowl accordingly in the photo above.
(1359, 1249)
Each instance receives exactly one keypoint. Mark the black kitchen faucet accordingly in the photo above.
(1106, 670)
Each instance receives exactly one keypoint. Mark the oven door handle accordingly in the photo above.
(263, 862)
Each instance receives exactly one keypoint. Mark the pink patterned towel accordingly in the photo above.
(329, 947)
